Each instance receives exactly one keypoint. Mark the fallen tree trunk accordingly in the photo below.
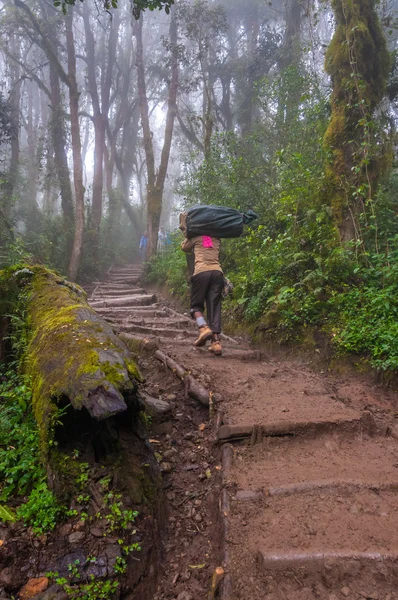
(72, 356)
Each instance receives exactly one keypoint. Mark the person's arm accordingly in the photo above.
(187, 245)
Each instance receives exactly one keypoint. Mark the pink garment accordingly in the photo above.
(207, 242)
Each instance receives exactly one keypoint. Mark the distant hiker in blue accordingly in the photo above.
(143, 246)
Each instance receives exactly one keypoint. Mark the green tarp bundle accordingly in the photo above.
(217, 221)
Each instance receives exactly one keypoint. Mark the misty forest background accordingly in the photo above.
(110, 126)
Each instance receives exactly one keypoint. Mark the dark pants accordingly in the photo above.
(207, 287)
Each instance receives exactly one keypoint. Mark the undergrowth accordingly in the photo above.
(292, 275)
(23, 480)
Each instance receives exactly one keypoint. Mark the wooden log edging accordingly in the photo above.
(315, 561)
(227, 452)
(192, 387)
(362, 422)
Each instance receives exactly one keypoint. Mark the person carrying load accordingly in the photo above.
(207, 284)
(203, 226)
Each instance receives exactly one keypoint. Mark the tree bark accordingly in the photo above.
(69, 79)
(358, 62)
(15, 102)
(74, 263)
(61, 159)
(155, 182)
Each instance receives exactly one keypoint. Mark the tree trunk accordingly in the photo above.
(358, 63)
(98, 122)
(155, 183)
(15, 102)
(68, 79)
(61, 159)
(74, 263)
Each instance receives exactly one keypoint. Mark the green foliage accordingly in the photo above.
(42, 510)
(170, 268)
(118, 518)
(138, 6)
(21, 473)
(291, 274)
(95, 589)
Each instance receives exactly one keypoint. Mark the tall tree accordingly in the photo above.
(69, 79)
(358, 62)
(156, 179)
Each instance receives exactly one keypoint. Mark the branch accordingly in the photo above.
(190, 134)
(45, 43)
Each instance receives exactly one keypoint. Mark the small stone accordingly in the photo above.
(6, 577)
(166, 467)
(76, 536)
(170, 453)
(198, 518)
(171, 397)
(345, 591)
(189, 436)
(96, 532)
(198, 502)
(33, 587)
(54, 592)
(65, 530)
(185, 596)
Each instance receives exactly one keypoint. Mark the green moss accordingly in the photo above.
(358, 62)
(61, 320)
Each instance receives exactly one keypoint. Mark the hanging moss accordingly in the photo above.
(358, 62)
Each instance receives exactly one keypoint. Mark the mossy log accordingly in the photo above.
(72, 356)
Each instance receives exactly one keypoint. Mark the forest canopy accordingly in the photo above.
(137, 5)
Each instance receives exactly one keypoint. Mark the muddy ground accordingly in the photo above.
(288, 480)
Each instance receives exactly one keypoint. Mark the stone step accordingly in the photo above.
(128, 301)
(111, 286)
(132, 314)
(351, 424)
(284, 466)
(316, 544)
(123, 280)
(118, 293)
(157, 331)
(263, 399)
(145, 320)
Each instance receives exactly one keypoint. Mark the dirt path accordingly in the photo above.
(303, 466)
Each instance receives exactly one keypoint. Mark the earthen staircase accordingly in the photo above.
(309, 503)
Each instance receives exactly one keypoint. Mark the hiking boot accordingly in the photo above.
(215, 347)
(205, 334)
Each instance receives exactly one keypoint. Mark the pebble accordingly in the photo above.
(185, 596)
(65, 529)
(171, 397)
(169, 453)
(33, 587)
(345, 591)
(166, 467)
(76, 536)
(198, 518)
(96, 532)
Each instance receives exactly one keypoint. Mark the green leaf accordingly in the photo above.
(6, 514)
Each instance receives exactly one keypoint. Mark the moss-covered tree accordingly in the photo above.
(358, 62)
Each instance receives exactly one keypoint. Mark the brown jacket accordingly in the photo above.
(206, 251)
